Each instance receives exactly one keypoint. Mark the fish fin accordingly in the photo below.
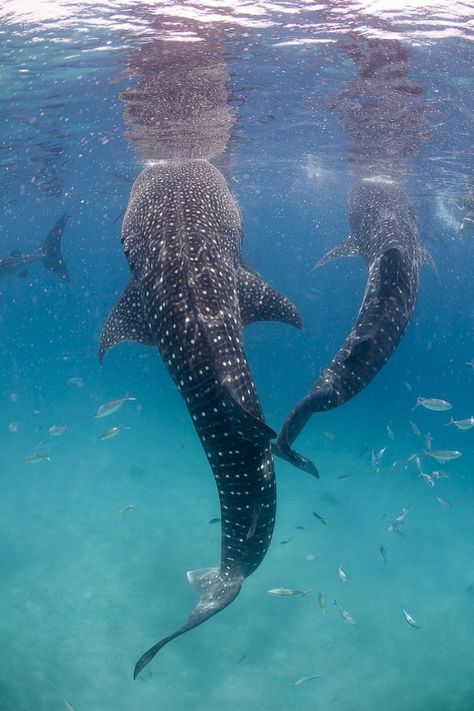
(248, 426)
(298, 460)
(259, 301)
(216, 592)
(126, 322)
(52, 257)
(197, 578)
(23, 274)
(427, 258)
(347, 248)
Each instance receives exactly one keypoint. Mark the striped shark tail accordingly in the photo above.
(51, 253)
(217, 591)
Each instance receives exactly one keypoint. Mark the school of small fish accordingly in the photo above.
(380, 458)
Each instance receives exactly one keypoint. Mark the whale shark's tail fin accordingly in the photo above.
(217, 591)
(51, 254)
(292, 426)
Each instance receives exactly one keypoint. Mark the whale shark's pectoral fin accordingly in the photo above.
(347, 248)
(126, 322)
(216, 592)
(261, 302)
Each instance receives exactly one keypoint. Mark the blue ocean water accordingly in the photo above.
(91, 93)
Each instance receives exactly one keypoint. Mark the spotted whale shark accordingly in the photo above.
(190, 295)
(384, 230)
(49, 255)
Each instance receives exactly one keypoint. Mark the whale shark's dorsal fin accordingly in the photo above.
(126, 322)
(217, 590)
(347, 248)
(261, 302)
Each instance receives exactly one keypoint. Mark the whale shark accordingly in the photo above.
(384, 231)
(190, 295)
(49, 255)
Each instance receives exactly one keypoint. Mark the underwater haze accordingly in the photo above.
(103, 511)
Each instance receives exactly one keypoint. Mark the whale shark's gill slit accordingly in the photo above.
(217, 591)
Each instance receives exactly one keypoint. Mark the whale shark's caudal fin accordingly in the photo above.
(259, 301)
(126, 322)
(51, 254)
(217, 590)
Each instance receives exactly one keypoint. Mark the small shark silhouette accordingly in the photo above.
(50, 256)
(190, 295)
(385, 232)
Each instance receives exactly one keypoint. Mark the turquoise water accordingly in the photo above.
(85, 589)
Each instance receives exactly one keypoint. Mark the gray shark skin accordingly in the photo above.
(190, 296)
(385, 232)
(50, 255)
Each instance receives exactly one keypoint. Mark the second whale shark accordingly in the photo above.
(384, 232)
(190, 295)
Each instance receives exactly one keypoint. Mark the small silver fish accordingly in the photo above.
(439, 474)
(287, 592)
(14, 426)
(58, 430)
(112, 432)
(68, 705)
(470, 363)
(322, 604)
(345, 476)
(110, 407)
(342, 576)
(344, 614)
(428, 440)
(323, 520)
(412, 458)
(446, 503)
(390, 433)
(433, 403)
(37, 457)
(427, 478)
(79, 382)
(383, 552)
(395, 525)
(444, 455)
(304, 679)
(462, 424)
(410, 619)
(125, 509)
(414, 428)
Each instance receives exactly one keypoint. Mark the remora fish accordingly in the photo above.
(50, 256)
(385, 232)
(190, 295)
